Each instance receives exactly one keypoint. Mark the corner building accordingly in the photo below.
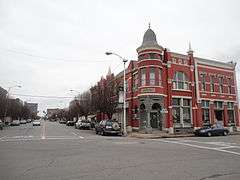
(179, 92)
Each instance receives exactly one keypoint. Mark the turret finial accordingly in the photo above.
(149, 25)
(190, 51)
(190, 47)
(109, 71)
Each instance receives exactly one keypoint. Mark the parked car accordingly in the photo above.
(77, 124)
(108, 127)
(70, 123)
(29, 120)
(36, 123)
(15, 123)
(62, 121)
(215, 130)
(23, 121)
(1, 125)
(83, 124)
(52, 120)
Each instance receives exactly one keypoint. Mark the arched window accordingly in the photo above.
(180, 81)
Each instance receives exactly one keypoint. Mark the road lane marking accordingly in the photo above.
(44, 131)
(2, 137)
(198, 146)
(33, 138)
(228, 147)
(74, 133)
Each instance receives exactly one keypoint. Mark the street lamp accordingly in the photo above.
(76, 99)
(124, 90)
(8, 92)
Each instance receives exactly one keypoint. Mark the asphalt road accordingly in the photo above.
(54, 151)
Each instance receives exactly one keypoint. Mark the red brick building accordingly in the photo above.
(173, 92)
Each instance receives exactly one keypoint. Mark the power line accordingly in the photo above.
(52, 58)
(41, 96)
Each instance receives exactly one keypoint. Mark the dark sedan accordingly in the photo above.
(1, 124)
(215, 130)
(108, 127)
(70, 123)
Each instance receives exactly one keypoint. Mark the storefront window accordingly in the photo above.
(205, 112)
(230, 107)
(176, 114)
(181, 111)
(176, 101)
(205, 116)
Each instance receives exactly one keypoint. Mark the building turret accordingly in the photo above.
(149, 41)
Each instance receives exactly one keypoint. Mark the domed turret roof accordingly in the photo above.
(149, 40)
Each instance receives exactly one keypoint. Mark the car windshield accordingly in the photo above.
(109, 123)
(85, 121)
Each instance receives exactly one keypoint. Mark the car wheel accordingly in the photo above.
(96, 132)
(209, 134)
(225, 133)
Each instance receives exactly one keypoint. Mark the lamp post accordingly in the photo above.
(76, 99)
(6, 108)
(124, 90)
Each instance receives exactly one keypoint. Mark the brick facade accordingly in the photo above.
(171, 91)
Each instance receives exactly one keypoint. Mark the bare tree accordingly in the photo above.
(104, 96)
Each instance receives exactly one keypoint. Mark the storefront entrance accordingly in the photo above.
(155, 120)
(150, 113)
(219, 115)
(155, 116)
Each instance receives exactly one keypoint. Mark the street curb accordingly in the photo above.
(143, 136)
(146, 136)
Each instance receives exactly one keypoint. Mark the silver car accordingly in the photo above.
(36, 123)
(15, 123)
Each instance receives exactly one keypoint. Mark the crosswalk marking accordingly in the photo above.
(32, 138)
(220, 146)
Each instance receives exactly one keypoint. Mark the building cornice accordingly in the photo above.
(217, 64)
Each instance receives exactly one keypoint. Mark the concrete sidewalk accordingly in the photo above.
(164, 135)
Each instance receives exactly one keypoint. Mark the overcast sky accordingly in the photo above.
(51, 46)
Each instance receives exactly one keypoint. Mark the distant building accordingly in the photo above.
(3, 95)
(3, 92)
(33, 107)
(51, 112)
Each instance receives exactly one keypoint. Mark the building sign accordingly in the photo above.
(147, 90)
